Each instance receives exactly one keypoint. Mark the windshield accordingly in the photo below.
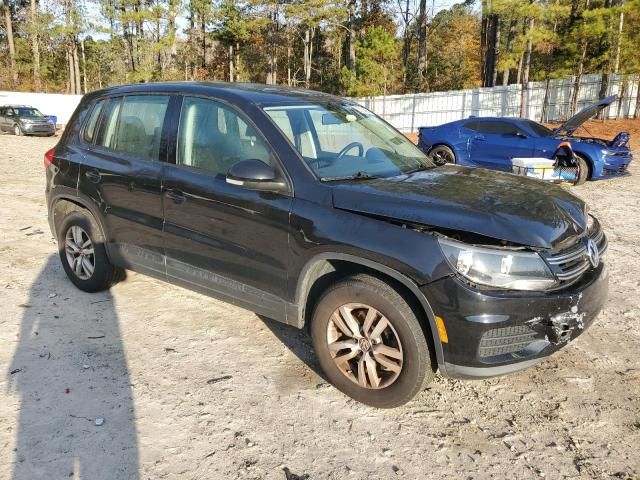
(539, 129)
(28, 112)
(343, 140)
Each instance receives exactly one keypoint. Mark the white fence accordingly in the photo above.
(408, 112)
(58, 104)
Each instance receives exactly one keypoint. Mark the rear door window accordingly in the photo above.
(133, 125)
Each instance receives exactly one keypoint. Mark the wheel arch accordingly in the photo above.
(326, 268)
(62, 205)
(588, 158)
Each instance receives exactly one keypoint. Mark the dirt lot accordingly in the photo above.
(192, 388)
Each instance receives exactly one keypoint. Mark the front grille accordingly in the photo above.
(501, 341)
(614, 171)
(569, 264)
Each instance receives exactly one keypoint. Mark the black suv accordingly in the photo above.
(25, 120)
(308, 209)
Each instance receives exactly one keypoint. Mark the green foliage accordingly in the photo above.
(377, 65)
(296, 42)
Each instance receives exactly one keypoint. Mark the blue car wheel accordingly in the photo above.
(441, 155)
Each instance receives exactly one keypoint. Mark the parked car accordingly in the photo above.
(25, 120)
(308, 209)
(492, 142)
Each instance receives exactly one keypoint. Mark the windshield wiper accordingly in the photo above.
(356, 176)
(421, 168)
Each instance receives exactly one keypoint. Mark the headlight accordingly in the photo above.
(501, 268)
(26, 121)
(590, 222)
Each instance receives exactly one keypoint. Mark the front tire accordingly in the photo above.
(370, 343)
(441, 155)
(17, 131)
(583, 169)
(83, 255)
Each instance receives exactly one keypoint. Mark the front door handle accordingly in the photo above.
(93, 175)
(176, 195)
(479, 138)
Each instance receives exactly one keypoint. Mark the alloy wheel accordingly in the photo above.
(365, 346)
(440, 156)
(79, 251)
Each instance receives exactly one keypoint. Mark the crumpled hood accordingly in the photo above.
(497, 205)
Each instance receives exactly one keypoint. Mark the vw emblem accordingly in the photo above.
(592, 253)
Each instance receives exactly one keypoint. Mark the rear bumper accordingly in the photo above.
(497, 333)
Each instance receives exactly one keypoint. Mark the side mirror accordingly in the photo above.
(255, 175)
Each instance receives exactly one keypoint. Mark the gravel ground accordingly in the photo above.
(189, 387)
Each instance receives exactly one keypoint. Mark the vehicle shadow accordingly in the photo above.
(76, 417)
(297, 341)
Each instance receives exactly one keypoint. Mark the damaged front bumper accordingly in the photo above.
(493, 333)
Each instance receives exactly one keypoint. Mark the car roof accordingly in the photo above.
(500, 119)
(16, 106)
(240, 93)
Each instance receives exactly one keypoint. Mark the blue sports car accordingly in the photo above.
(492, 142)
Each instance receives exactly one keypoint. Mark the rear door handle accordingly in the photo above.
(479, 138)
(176, 195)
(93, 175)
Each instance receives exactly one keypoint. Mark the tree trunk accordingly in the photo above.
(616, 62)
(351, 62)
(524, 97)
(171, 30)
(231, 65)
(76, 68)
(578, 77)
(496, 51)
(510, 37)
(490, 58)
(308, 52)
(636, 113)
(35, 50)
(423, 34)
(406, 47)
(84, 68)
(272, 61)
(545, 102)
(203, 32)
(126, 33)
(288, 61)
(10, 42)
(580, 67)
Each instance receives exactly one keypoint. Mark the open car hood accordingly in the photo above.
(496, 205)
(585, 114)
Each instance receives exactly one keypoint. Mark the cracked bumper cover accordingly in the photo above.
(494, 333)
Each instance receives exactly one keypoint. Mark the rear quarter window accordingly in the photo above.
(92, 122)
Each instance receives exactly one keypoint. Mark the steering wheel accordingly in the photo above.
(344, 151)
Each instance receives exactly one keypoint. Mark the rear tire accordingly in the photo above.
(83, 255)
(583, 169)
(441, 155)
(384, 364)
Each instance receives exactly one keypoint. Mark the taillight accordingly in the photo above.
(48, 157)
